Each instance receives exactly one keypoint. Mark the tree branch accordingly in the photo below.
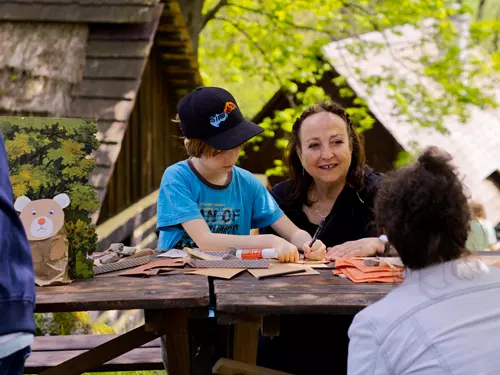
(275, 18)
(256, 45)
(495, 36)
(356, 6)
(211, 14)
(480, 9)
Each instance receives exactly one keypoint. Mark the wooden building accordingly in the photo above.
(124, 63)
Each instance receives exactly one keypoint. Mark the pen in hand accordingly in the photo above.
(318, 231)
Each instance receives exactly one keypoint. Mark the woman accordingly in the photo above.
(482, 234)
(329, 180)
(445, 317)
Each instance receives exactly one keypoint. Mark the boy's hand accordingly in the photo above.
(287, 253)
(316, 252)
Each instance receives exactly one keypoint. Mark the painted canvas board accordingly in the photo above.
(50, 156)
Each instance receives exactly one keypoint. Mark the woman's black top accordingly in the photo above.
(351, 217)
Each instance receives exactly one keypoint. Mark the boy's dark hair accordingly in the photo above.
(424, 212)
(302, 180)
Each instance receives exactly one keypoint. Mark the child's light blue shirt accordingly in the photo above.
(236, 208)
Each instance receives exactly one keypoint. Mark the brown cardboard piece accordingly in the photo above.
(154, 267)
(277, 269)
(50, 260)
(308, 270)
(221, 273)
(202, 254)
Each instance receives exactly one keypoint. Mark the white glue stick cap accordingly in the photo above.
(269, 253)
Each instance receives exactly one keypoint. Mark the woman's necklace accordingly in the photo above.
(317, 212)
(313, 197)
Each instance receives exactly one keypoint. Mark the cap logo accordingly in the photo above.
(215, 120)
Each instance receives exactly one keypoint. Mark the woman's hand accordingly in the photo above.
(364, 247)
(287, 253)
(316, 252)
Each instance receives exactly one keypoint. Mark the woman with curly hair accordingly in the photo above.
(445, 316)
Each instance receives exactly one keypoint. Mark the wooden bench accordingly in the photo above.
(225, 366)
(49, 351)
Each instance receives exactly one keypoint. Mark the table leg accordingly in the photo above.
(246, 340)
(177, 342)
(270, 325)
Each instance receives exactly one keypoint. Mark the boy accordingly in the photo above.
(208, 202)
(17, 281)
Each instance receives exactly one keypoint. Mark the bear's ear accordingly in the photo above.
(21, 202)
(62, 200)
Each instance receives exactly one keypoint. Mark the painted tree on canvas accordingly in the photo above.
(50, 156)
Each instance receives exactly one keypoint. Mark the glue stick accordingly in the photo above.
(256, 253)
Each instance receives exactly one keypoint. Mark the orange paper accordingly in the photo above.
(356, 270)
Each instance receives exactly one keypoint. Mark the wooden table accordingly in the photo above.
(166, 301)
(254, 303)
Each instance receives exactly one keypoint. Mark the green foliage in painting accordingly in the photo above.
(50, 156)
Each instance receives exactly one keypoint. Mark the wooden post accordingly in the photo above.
(177, 342)
(270, 326)
(246, 340)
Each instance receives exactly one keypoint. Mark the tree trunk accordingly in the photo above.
(480, 9)
(192, 12)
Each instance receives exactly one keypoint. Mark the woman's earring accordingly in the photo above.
(303, 172)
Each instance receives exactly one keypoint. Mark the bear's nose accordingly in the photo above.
(41, 221)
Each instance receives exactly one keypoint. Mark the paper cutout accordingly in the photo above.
(196, 253)
(221, 273)
(43, 222)
(42, 218)
(308, 271)
(357, 271)
(277, 269)
(173, 253)
(154, 267)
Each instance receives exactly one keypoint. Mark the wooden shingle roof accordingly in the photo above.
(84, 11)
(121, 34)
(116, 57)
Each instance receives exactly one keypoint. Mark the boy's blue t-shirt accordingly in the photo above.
(236, 208)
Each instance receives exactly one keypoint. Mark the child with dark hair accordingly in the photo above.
(445, 316)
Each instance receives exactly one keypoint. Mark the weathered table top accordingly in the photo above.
(123, 293)
(315, 294)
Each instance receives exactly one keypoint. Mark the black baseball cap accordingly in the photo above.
(212, 115)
